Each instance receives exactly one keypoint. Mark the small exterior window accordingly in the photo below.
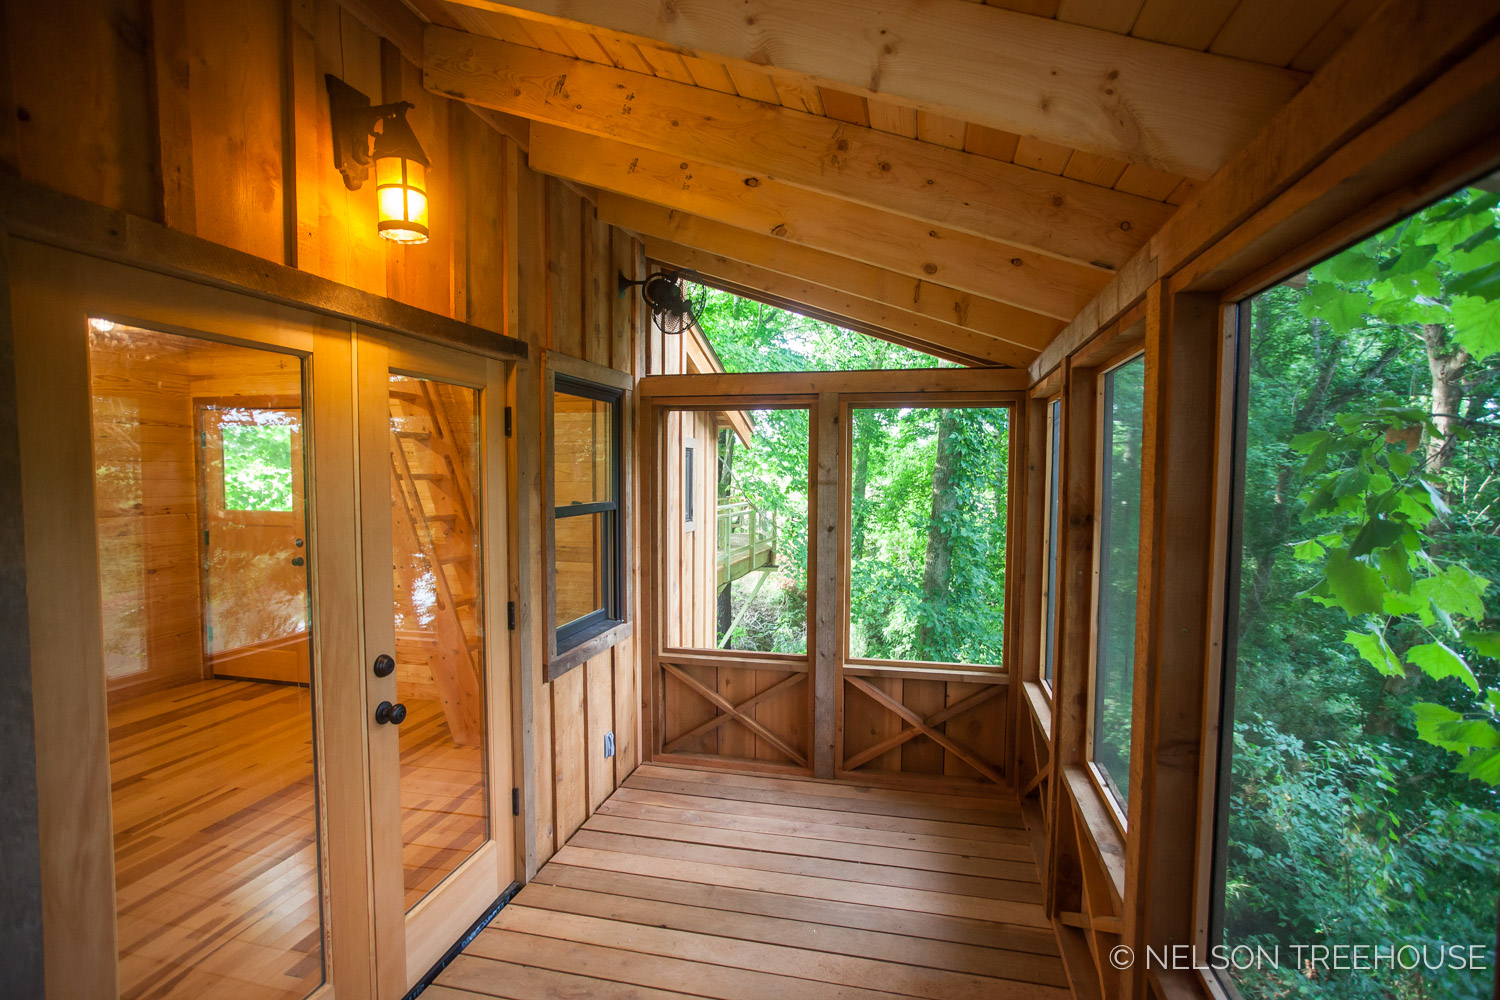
(588, 531)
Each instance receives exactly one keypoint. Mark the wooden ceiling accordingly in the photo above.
(954, 174)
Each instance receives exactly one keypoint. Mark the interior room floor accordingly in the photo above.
(724, 885)
(215, 856)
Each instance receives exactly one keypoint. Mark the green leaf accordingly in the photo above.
(1341, 310)
(1455, 590)
(1483, 643)
(1396, 565)
(1482, 766)
(1353, 585)
(1483, 282)
(1308, 551)
(1438, 661)
(1431, 721)
(1376, 652)
(1476, 325)
(1376, 534)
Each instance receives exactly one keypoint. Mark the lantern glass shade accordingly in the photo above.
(401, 189)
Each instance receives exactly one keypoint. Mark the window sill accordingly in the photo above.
(1041, 706)
(1095, 816)
(586, 647)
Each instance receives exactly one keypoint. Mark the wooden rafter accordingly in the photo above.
(1002, 271)
(963, 191)
(938, 302)
(898, 326)
(1169, 108)
(927, 728)
(733, 711)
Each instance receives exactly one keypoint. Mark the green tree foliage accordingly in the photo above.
(1366, 744)
(258, 464)
(930, 495)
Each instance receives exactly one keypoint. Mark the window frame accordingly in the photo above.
(1118, 811)
(1050, 616)
(998, 400)
(689, 484)
(586, 637)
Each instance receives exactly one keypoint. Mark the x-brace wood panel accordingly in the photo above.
(919, 726)
(735, 713)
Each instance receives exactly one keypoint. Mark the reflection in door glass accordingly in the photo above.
(198, 491)
(435, 509)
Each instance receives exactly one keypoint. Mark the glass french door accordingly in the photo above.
(433, 533)
(264, 555)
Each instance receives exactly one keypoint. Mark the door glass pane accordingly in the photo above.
(198, 486)
(581, 449)
(435, 517)
(1119, 548)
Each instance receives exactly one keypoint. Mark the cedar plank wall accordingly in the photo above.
(212, 118)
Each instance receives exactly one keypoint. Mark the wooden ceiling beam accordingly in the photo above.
(850, 311)
(1170, 108)
(975, 194)
(761, 204)
(937, 302)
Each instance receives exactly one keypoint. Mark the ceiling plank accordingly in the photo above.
(974, 194)
(947, 305)
(800, 295)
(760, 204)
(1169, 108)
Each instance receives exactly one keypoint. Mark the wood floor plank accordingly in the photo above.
(932, 927)
(996, 963)
(812, 966)
(657, 971)
(1001, 801)
(898, 898)
(823, 868)
(786, 843)
(833, 803)
(797, 813)
(490, 977)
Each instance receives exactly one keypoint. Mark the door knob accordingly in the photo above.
(394, 714)
(298, 561)
(384, 665)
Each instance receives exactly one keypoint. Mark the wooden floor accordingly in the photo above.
(713, 884)
(215, 837)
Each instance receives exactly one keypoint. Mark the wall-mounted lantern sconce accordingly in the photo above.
(400, 163)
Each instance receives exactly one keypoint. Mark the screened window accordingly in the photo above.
(1359, 772)
(690, 483)
(587, 566)
(1122, 399)
(1049, 583)
(929, 496)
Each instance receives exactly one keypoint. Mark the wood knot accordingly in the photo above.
(1017, 261)
(751, 182)
(930, 268)
(779, 230)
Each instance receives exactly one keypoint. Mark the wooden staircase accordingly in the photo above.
(437, 546)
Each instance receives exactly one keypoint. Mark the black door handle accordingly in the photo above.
(298, 561)
(394, 714)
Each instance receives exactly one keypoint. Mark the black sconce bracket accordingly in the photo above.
(354, 119)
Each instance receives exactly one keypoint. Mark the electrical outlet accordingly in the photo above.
(609, 744)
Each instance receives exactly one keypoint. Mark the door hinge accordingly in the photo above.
(515, 802)
(507, 421)
(510, 615)
(205, 536)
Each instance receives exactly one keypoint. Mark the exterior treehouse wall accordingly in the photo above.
(213, 120)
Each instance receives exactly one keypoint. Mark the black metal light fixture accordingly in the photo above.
(400, 163)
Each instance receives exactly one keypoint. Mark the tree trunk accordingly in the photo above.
(1447, 368)
(939, 559)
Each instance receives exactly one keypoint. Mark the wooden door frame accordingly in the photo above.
(54, 292)
(435, 922)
